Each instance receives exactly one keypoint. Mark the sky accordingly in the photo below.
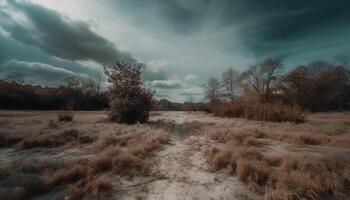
(181, 43)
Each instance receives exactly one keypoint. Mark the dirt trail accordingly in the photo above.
(186, 175)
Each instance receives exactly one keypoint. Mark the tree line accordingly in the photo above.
(317, 86)
(77, 93)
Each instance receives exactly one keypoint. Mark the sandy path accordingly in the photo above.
(186, 175)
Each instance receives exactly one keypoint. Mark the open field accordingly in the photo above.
(177, 155)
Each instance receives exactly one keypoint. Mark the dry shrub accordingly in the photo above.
(71, 136)
(65, 117)
(94, 189)
(130, 102)
(276, 111)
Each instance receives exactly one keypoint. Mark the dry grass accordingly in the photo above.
(8, 140)
(303, 138)
(52, 124)
(120, 162)
(255, 173)
(65, 117)
(71, 136)
(94, 189)
(68, 175)
(124, 150)
(311, 178)
(281, 177)
(236, 137)
(227, 156)
(251, 138)
(276, 112)
(23, 181)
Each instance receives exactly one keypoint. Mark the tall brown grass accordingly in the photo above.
(94, 189)
(251, 138)
(254, 110)
(311, 178)
(282, 177)
(304, 138)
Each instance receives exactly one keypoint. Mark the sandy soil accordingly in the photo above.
(179, 169)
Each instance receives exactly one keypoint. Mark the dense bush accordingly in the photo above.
(130, 102)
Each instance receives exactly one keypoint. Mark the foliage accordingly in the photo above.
(130, 102)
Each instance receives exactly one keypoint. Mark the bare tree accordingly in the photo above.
(73, 82)
(190, 105)
(212, 90)
(262, 77)
(230, 81)
(99, 80)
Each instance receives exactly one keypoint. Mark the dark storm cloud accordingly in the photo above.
(10, 49)
(265, 27)
(59, 36)
(181, 16)
(26, 44)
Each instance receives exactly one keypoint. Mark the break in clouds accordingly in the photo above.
(182, 43)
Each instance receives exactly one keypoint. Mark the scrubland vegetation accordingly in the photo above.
(284, 151)
(283, 175)
(93, 158)
(73, 163)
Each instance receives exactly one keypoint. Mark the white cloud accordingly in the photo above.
(191, 77)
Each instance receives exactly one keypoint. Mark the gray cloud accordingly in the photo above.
(264, 28)
(166, 84)
(60, 37)
(36, 73)
(150, 75)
